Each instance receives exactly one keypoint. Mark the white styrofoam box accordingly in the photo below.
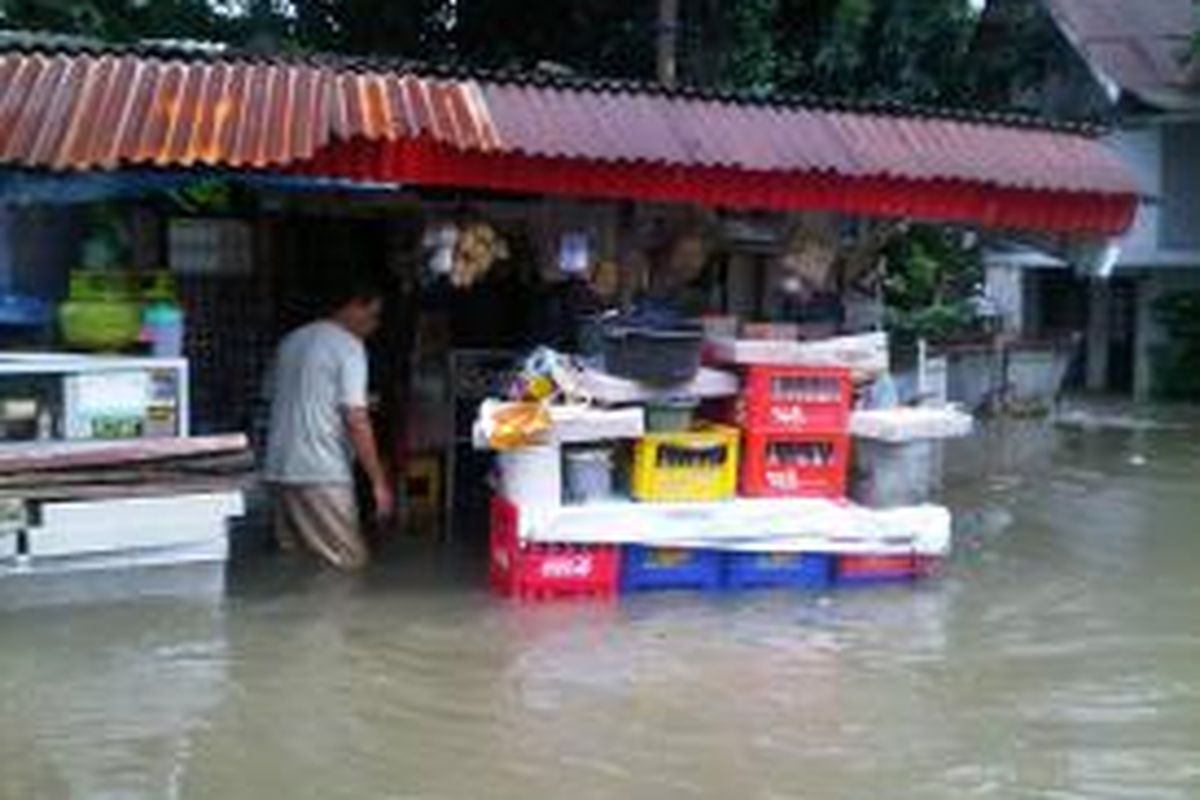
(109, 536)
(8, 546)
(200, 551)
(911, 424)
(105, 526)
(135, 511)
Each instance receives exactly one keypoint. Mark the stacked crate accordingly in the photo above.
(795, 429)
(694, 466)
(795, 424)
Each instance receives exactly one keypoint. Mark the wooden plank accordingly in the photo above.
(44, 456)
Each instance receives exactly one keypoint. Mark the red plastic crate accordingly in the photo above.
(795, 464)
(785, 399)
(546, 571)
(885, 568)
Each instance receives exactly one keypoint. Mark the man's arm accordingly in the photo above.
(362, 437)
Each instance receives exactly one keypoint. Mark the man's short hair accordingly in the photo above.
(355, 288)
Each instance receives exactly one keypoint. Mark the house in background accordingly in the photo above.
(1128, 64)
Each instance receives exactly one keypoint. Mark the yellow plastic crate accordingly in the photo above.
(698, 465)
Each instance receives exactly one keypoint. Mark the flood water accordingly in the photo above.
(1059, 658)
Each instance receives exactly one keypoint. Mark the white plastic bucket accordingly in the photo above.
(532, 476)
(589, 474)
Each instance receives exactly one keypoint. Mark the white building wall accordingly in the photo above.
(1142, 151)
(1161, 269)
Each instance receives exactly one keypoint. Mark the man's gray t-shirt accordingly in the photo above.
(319, 371)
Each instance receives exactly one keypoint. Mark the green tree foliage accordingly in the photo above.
(119, 20)
(932, 278)
(1177, 363)
(903, 50)
(900, 50)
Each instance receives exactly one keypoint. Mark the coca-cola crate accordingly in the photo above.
(546, 571)
(795, 465)
(794, 399)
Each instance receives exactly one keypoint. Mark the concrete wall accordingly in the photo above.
(1016, 377)
(1143, 152)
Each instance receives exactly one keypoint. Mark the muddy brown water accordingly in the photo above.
(1059, 658)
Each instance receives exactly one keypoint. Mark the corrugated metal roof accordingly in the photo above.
(1141, 45)
(87, 110)
(83, 111)
(602, 126)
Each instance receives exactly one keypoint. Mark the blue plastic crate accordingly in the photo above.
(778, 570)
(23, 311)
(645, 568)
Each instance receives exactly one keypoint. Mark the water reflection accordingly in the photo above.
(99, 704)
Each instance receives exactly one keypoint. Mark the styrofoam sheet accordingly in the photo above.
(865, 354)
(138, 510)
(574, 424)
(108, 536)
(898, 425)
(577, 424)
(215, 550)
(612, 390)
(188, 579)
(782, 525)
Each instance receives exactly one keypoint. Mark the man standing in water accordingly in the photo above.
(320, 425)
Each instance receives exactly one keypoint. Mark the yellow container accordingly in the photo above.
(104, 325)
(107, 285)
(698, 465)
(102, 286)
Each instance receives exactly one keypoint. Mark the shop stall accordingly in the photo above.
(505, 213)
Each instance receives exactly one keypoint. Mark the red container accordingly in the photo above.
(885, 568)
(546, 571)
(783, 399)
(795, 465)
